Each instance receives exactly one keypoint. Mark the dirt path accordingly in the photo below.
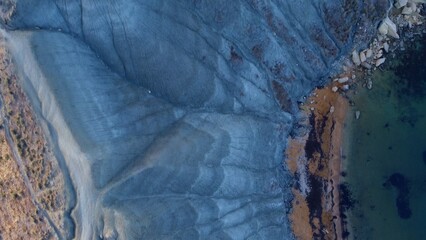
(24, 175)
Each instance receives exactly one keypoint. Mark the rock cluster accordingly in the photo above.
(405, 13)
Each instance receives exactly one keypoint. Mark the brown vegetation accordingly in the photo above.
(39, 165)
(19, 216)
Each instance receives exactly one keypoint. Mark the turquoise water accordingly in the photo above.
(390, 139)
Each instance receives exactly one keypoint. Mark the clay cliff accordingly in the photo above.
(170, 117)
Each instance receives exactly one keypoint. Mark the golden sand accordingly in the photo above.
(328, 111)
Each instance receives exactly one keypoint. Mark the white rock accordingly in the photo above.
(407, 10)
(355, 58)
(378, 55)
(369, 53)
(383, 28)
(334, 89)
(366, 65)
(369, 84)
(312, 109)
(414, 7)
(400, 3)
(357, 114)
(343, 79)
(380, 61)
(392, 30)
(362, 57)
(345, 87)
(387, 27)
(332, 109)
(386, 47)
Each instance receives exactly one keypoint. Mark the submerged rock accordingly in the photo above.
(424, 157)
(357, 114)
(398, 181)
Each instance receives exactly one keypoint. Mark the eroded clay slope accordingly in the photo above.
(171, 115)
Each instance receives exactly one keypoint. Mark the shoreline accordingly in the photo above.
(322, 198)
(315, 158)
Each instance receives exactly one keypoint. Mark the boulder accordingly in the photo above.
(380, 61)
(369, 53)
(355, 58)
(409, 9)
(343, 79)
(362, 57)
(366, 65)
(369, 84)
(386, 47)
(400, 3)
(387, 27)
(378, 54)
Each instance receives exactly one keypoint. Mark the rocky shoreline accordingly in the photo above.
(315, 157)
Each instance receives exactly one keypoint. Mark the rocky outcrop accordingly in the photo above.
(171, 115)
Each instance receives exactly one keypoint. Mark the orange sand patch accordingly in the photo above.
(294, 151)
(300, 217)
(329, 109)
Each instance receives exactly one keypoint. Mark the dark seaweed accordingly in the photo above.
(398, 181)
(314, 197)
(411, 72)
(312, 144)
(346, 203)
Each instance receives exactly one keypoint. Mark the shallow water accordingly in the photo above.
(388, 140)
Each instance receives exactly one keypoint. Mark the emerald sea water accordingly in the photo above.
(385, 150)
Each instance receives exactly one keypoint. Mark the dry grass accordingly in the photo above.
(39, 162)
(19, 217)
(7, 8)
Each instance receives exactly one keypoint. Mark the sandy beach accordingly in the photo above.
(315, 160)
